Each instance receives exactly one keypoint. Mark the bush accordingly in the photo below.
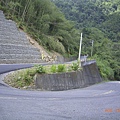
(52, 44)
(75, 66)
(24, 78)
(53, 69)
(40, 69)
(61, 68)
(105, 70)
(27, 79)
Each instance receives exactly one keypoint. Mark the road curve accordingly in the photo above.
(97, 102)
(4, 68)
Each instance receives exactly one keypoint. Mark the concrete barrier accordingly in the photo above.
(89, 75)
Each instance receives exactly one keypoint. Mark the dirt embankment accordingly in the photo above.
(46, 55)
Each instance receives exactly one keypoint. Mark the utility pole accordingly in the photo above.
(80, 49)
(92, 48)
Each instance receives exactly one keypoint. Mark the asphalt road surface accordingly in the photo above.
(4, 68)
(97, 102)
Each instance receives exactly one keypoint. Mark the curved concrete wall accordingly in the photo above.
(71, 80)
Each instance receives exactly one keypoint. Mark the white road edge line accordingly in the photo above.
(9, 98)
(109, 92)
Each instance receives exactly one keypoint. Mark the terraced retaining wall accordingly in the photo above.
(89, 75)
(14, 44)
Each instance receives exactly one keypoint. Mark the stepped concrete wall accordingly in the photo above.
(14, 45)
(89, 75)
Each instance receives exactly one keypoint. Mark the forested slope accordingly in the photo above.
(102, 14)
(98, 20)
(43, 21)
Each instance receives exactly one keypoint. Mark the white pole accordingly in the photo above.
(92, 48)
(80, 49)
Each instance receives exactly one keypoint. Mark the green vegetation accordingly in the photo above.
(44, 22)
(75, 66)
(25, 78)
(53, 69)
(40, 69)
(50, 69)
(61, 68)
(98, 20)
(21, 78)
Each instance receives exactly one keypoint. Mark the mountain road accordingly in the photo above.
(97, 102)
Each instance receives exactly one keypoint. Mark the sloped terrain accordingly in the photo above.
(14, 45)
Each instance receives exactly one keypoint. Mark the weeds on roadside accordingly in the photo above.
(53, 69)
(40, 69)
(75, 66)
(61, 68)
(21, 78)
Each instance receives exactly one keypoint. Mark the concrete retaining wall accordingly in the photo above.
(14, 44)
(61, 59)
(72, 80)
(91, 74)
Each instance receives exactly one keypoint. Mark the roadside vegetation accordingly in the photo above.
(25, 79)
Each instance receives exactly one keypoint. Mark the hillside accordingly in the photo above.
(44, 22)
(99, 21)
(93, 13)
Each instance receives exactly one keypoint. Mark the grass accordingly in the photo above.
(21, 78)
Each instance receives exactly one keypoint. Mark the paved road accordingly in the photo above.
(98, 102)
(4, 68)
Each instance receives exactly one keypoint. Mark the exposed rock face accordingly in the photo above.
(14, 45)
